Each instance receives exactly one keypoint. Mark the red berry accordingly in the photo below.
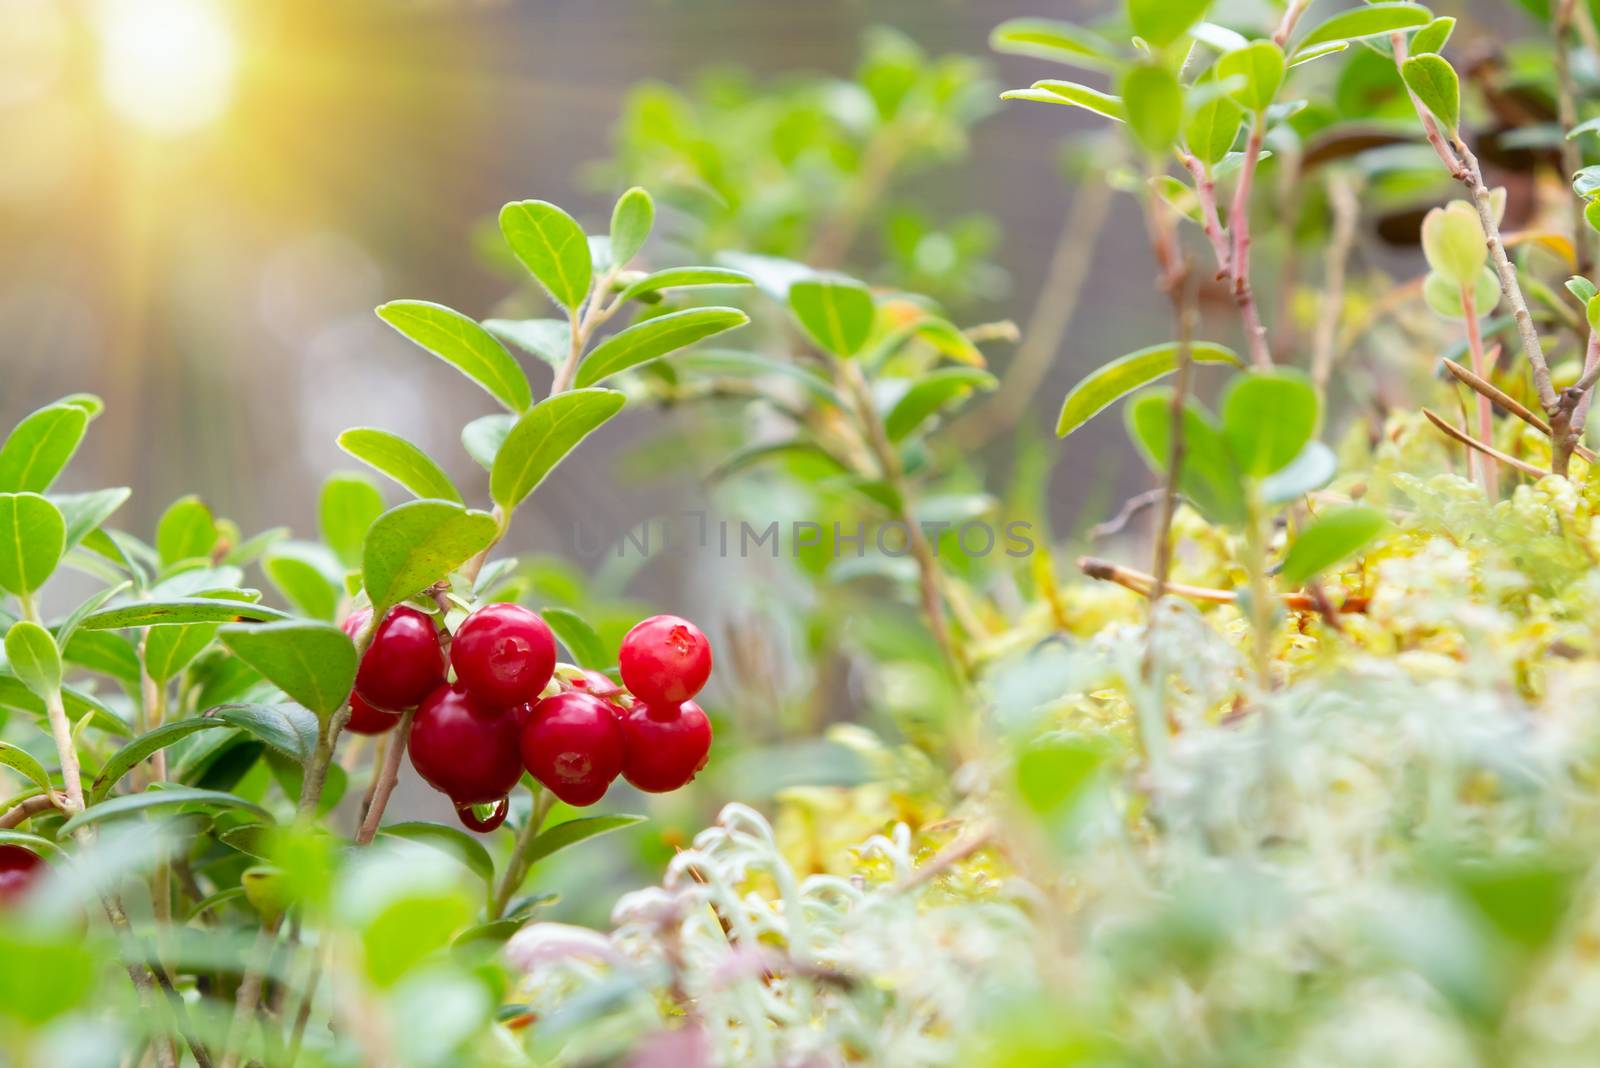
(572, 744)
(465, 748)
(594, 683)
(504, 654)
(665, 660)
(19, 868)
(364, 719)
(665, 746)
(404, 663)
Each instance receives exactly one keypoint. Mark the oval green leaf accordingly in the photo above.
(631, 221)
(836, 312)
(543, 437)
(186, 531)
(313, 663)
(1115, 380)
(289, 729)
(931, 392)
(1162, 22)
(179, 610)
(1153, 101)
(24, 762)
(554, 839)
(1208, 477)
(451, 840)
(33, 657)
(413, 546)
(349, 505)
(168, 797)
(1374, 20)
(1435, 83)
(1055, 40)
(1071, 94)
(684, 277)
(483, 437)
(581, 640)
(552, 246)
(463, 344)
(394, 456)
(1267, 418)
(653, 339)
(40, 446)
(140, 749)
(1261, 66)
(1331, 538)
(84, 512)
(33, 535)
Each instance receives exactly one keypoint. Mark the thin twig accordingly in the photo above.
(388, 776)
(955, 853)
(1452, 431)
(26, 810)
(1239, 257)
(1142, 583)
(1488, 474)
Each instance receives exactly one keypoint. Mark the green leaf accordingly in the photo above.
(40, 446)
(103, 651)
(1433, 36)
(1162, 22)
(554, 839)
(301, 574)
(1333, 536)
(186, 531)
(1592, 126)
(140, 749)
(1208, 477)
(1054, 40)
(1374, 20)
(837, 312)
(1267, 418)
(1582, 288)
(1434, 82)
(543, 437)
(179, 610)
(1154, 104)
(653, 339)
(1213, 128)
(1113, 381)
(167, 797)
(683, 277)
(33, 657)
(84, 512)
(1453, 242)
(464, 345)
(13, 694)
(1443, 295)
(578, 636)
(24, 762)
(314, 663)
(350, 503)
(1071, 94)
(415, 545)
(749, 365)
(548, 339)
(289, 729)
(1261, 65)
(631, 222)
(1306, 55)
(929, 393)
(168, 650)
(552, 246)
(450, 840)
(33, 535)
(392, 455)
(483, 437)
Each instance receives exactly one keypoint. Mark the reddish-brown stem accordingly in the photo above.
(1455, 433)
(26, 810)
(1567, 111)
(1141, 583)
(1239, 256)
(1488, 474)
(1205, 188)
(387, 776)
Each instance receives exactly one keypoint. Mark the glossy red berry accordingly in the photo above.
(19, 869)
(665, 747)
(364, 719)
(504, 654)
(403, 664)
(464, 747)
(572, 744)
(665, 660)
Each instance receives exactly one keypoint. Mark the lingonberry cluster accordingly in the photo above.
(508, 708)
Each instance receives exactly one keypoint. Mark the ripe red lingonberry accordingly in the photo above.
(665, 660)
(364, 719)
(403, 664)
(664, 746)
(19, 868)
(504, 654)
(464, 747)
(572, 744)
